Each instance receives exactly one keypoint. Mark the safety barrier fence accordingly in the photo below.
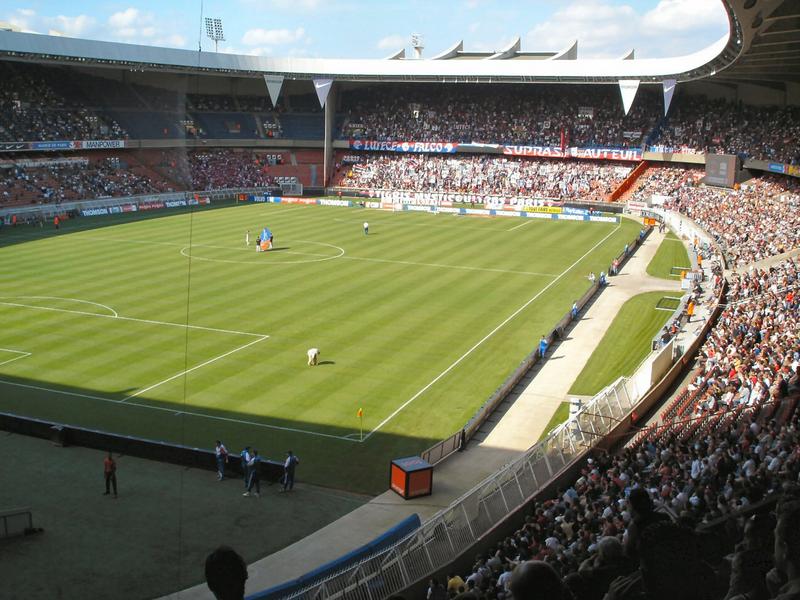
(15, 522)
(454, 530)
(50, 209)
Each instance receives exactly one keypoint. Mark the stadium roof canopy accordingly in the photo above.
(763, 44)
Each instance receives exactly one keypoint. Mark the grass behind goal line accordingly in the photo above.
(624, 346)
(410, 321)
(671, 253)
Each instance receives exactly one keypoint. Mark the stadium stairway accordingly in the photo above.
(522, 424)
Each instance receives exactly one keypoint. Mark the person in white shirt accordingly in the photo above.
(313, 356)
(366, 228)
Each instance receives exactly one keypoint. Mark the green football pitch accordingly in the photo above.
(169, 327)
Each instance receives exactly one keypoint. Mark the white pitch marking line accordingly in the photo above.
(10, 360)
(172, 410)
(187, 371)
(108, 308)
(520, 225)
(486, 337)
(133, 319)
(443, 266)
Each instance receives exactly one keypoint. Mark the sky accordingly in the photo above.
(378, 28)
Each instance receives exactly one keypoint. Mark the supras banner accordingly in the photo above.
(432, 147)
(631, 154)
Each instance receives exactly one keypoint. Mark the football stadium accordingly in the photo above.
(456, 323)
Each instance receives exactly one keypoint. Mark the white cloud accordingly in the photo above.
(73, 26)
(682, 15)
(125, 19)
(391, 42)
(272, 37)
(174, 41)
(606, 30)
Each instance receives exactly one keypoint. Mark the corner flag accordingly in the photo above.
(360, 413)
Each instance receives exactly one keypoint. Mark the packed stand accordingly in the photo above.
(699, 124)
(225, 169)
(80, 179)
(625, 527)
(527, 115)
(484, 175)
(759, 220)
(665, 181)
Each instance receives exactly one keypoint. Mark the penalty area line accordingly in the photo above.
(194, 368)
(10, 360)
(182, 412)
(487, 336)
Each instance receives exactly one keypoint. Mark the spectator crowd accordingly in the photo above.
(485, 175)
(651, 521)
(759, 220)
(40, 103)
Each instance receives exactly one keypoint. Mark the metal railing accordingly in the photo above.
(15, 522)
(454, 530)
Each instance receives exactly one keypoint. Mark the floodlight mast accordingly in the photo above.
(418, 43)
(214, 31)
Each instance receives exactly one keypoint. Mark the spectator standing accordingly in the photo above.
(110, 472)
(253, 480)
(226, 574)
(542, 346)
(787, 550)
(221, 454)
(245, 460)
(289, 467)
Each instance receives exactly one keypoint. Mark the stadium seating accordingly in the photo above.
(483, 175)
(724, 444)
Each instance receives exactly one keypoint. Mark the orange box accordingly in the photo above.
(411, 477)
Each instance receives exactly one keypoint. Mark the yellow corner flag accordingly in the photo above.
(360, 413)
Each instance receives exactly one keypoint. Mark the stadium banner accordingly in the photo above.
(295, 200)
(99, 144)
(419, 147)
(264, 198)
(11, 146)
(274, 84)
(323, 88)
(628, 89)
(669, 90)
(129, 208)
(94, 212)
(174, 203)
(568, 210)
(202, 200)
(60, 145)
(373, 205)
(114, 210)
(151, 205)
(793, 170)
(503, 213)
(327, 202)
(628, 154)
(553, 210)
(636, 208)
(601, 219)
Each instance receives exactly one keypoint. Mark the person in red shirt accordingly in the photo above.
(57, 222)
(110, 471)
